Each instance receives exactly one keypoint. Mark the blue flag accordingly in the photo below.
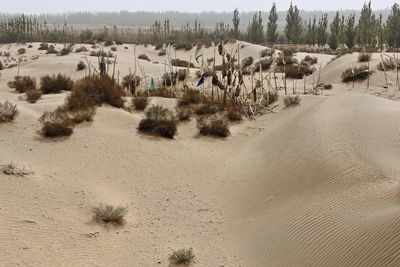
(201, 81)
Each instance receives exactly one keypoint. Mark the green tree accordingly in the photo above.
(255, 31)
(393, 26)
(333, 41)
(367, 26)
(272, 25)
(322, 28)
(350, 31)
(293, 27)
(236, 22)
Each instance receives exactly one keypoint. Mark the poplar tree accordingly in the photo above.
(272, 25)
(293, 27)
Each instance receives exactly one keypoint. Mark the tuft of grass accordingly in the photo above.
(388, 64)
(296, 71)
(56, 124)
(162, 53)
(356, 74)
(80, 66)
(22, 84)
(32, 96)
(234, 114)
(183, 114)
(364, 57)
(65, 51)
(114, 49)
(21, 51)
(182, 257)
(292, 100)
(52, 50)
(182, 75)
(108, 214)
(189, 97)
(83, 115)
(207, 109)
(246, 62)
(140, 102)
(144, 57)
(14, 169)
(55, 84)
(213, 126)
(270, 98)
(130, 83)
(181, 63)
(43, 46)
(8, 111)
(159, 121)
(81, 49)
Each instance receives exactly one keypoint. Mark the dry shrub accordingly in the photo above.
(108, 214)
(56, 124)
(32, 96)
(160, 92)
(114, 49)
(22, 84)
(43, 46)
(181, 75)
(80, 66)
(140, 102)
(108, 42)
(7, 54)
(55, 84)
(159, 121)
(144, 57)
(1, 65)
(356, 74)
(185, 46)
(388, 64)
(14, 169)
(213, 126)
(265, 64)
(207, 109)
(83, 115)
(189, 97)
(289, 51)
(130, 82)
(169, 79)
(181, 63)
(267, 52)
(295, 71)
(162, 53)
(270, 98)
(291, 100)
(65, 51)
(94, 91)
(21, 51)
(364, 57)
(311, 60)
(101, 54)
(158, 46)
(246, 62)
(182, 257)
(8, 111)
(233, 114)
(52, 50)
(183, 114)
(81, 49)
(207, 72)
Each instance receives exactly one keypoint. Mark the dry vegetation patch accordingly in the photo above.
(213, 126)
(32, 96)
(291, 100)
(159, 121)
(8, 111)
(364, 57)
(14, 169)
(182, 257)
(140, 102)
(109, 214)
(55, 84)
(356, 74)
(56, 124)
(22, 84)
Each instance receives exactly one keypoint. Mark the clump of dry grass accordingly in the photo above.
(296, 71)
(388, 64)
(182, 257)
(43, 46)
(130, 82)
(114, 49)
(144, 57)
(158, 46)
(291, 100)
(80, 66)
(108, 214)
(22, 84)
(182, 75)
(14, 169)
(52, 50)
(56, 124)
(311, 60)
(21, 51)
(169, 79)
(81, 49)
(233, 114)
(32, 96)
(355, 74)
(108, 54)
(265, 64)
(94, 91)
(183, 114)
(140, 102)
(159, 121)
(213, 126)
(162, 53)
(270, 98)
(364, 57)
(185, 46)
(207, 109)
(83, 115)
(246, 62)
(181, 63)
(189, 97)
(65, 50)
(8, 111)
(55, 84)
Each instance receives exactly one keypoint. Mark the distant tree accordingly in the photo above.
(311, 34)
(272, 25)
(255, 31)
(367, 26)
(333, 41)
(236, 22)
(293, 27)
(350, 31)
(393, 26)
(322, 28)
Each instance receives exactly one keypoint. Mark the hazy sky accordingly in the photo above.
(41, 6)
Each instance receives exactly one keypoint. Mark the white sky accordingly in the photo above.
(57, 6)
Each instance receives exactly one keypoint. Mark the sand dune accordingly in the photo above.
(314, 185)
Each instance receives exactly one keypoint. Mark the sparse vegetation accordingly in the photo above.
(181, 63)
(43, 46)
(234, 114)
(55, 84)
(21, 51)
(14, 169)
(140, 102)
(213, 126)
(291, 100)
(183, 113)
(356, 74)
(388, 64)
(159, 121)
(108, 214)
(364, 57)
(130, 82)
(32, 96)
(52, 50)
(144, 57)
(80, 66)
(56, 124)
(246, 62)
(22, 84)
(207, 109)
(83, 115)
(8, 111)
(182, 257)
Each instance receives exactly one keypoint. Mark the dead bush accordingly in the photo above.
(22, 84)
(114, 49)
(32, 96)
(55, 124)
(270, 98)
(65, 50)
(55, 84)
(181, 63)
(356, 74)
(233, 114)
(83, 115)
(52, 50)
(265, 64)
(140, 102)
(158, 46)
(181, 75)
(267, 53)
(291, 100)
(43, 46)
(183, 114)
(182, 257)
(364, 57)
(207, 109)
(189, 97)
(144, 57)
(185, 46)
(296, 71)
(388, 64)
(159, 121)
(81, 49)
(310, 60)
(169, 79)
(21, 51)
(94, 91)
(14, 169)
(130, 83)
(162, 53)
(80, 66)
(108, 214)
(246, 62)
(108, 42)
(8, 111)
(213, 126)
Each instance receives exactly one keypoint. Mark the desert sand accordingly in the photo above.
(312, 185)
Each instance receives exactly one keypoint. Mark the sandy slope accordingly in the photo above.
(314, 185)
